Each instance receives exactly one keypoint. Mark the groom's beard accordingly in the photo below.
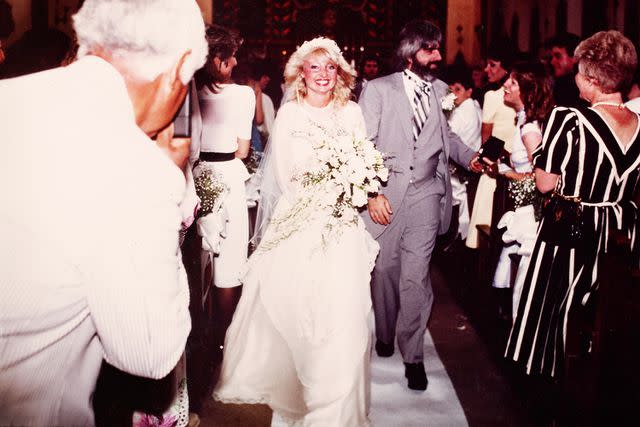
(423, 71)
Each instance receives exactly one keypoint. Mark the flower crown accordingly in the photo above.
(321, 43)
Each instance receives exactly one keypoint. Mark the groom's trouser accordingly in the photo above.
(401, 289)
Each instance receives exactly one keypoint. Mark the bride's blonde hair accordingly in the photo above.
(323, 46)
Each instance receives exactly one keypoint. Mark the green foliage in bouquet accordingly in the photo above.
(209, 189)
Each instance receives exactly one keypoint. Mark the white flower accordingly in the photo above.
(359, 197)
(447, 101)
(330, 193)
(383, 173)
(357, 170)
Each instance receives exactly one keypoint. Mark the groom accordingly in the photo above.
(405, 120)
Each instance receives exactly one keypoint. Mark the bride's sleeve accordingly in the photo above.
(283, 151)
(276, 170)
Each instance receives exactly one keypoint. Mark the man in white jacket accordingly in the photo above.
(90, 217)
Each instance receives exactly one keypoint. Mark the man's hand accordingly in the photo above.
(177, 149)
(490, 168)
(475, 164)
(380, 210)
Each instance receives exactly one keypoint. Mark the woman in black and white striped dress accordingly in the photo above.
(593, 153)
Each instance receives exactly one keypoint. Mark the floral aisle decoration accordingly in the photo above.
(212, 219)
(253, 161)
(252, 186)
(210, 189)
(523, 192)
(344, 173)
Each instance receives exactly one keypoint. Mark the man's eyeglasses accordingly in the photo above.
(431, 47)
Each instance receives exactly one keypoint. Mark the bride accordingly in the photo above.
(300, 338)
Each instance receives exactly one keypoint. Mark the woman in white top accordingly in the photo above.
(498, 120)
(300, 338)
(227, 112)
(528, 90)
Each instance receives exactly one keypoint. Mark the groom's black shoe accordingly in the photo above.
(384, 350)
(416, 375)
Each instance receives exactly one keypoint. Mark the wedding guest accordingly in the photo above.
(465, 121)
(404, 117)
(254, 76)
(300, 338)
(242, 75)
(90, 216)
(565, 91)
(227, 111)
(498, 120)
(369, 70)
(261, 79)
(561, 283)
(479, 77)
(528, 91)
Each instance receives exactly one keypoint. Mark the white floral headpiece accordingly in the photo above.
(320, 43)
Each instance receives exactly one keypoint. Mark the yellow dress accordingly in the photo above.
(495, 112)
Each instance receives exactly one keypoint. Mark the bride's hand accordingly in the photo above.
(380, 210)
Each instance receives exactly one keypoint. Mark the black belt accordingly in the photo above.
(216, 157)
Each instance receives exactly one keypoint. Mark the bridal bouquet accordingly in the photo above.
(344, 172)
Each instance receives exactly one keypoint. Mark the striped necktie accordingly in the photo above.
(421, 105)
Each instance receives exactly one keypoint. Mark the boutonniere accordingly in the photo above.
(447, 102)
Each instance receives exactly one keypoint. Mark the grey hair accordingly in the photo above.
(414, 36)
(148, 35)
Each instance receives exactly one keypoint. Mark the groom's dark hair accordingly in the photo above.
(415, 35)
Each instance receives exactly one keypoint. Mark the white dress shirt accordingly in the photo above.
(90, 257)
(466, 122)
(410, 81)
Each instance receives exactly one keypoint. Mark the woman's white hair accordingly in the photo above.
(149, 35)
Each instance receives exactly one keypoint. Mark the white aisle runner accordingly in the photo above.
(394, 405)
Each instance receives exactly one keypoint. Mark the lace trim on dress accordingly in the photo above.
(240, 400)
(287, 418)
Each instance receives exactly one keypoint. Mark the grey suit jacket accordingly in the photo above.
(388, 114)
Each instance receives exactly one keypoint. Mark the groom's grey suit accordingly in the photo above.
(419, 192)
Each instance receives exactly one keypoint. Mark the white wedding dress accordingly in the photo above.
(300, 337)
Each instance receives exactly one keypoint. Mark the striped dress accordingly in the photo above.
(579, 146)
